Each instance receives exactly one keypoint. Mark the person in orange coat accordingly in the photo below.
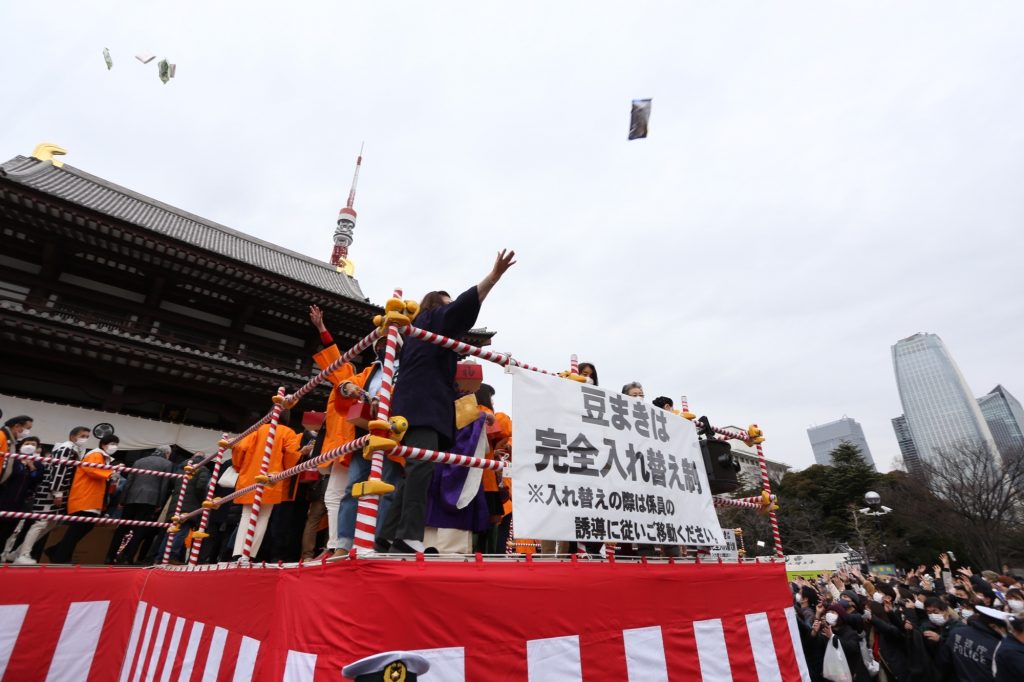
(337, 429)
(498, 431)
(247, 458)
(86, 498)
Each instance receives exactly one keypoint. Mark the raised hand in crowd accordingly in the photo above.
(316, 316)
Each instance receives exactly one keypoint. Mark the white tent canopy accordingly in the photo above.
(52, 422)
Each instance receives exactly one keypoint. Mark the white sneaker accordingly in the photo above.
(25, 560)
(7, 557)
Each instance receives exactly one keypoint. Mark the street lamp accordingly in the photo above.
(878, 510)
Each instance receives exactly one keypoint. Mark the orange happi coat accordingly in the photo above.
(247, 457)
(3, 449)
(90, 484)
(338, 430)
(497, 433)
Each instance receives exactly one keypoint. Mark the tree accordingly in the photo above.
(849, 478)
(986, 497)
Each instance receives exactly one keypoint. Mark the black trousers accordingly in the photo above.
(408, 516)
(132, 512)
(61, 552)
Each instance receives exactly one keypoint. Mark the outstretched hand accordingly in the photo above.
(316, 316)
(502, 263)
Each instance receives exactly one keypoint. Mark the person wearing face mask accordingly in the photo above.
(1015, 602)
(844, 623)
(50, 496)
(15, 493)
(86, 498)
(14, 429)
(589, 372)
(940, 621)
(888, 640)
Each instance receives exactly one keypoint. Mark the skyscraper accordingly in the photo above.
(940, 410)
(1005, 419)
(826, 437)
(907, 448)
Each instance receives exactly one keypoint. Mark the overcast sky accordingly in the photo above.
(820, 179)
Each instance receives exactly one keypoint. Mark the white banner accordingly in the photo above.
(815, 562)
(595, 465)
(728, 550)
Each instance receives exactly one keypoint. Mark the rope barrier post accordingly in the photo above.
(201, 534)
(574, 368)
(175, 527)
(257, 499)
(766, 484)
(369, 504)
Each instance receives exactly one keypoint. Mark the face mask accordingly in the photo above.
(26, 433)
(28, 449)
(831, 618)
(81, 441)
(1016, 605)
(110, 449)
(966, 613)
(919, 604)
(878, 597)
(937, 618)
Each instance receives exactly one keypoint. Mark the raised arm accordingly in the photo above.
(502, 263)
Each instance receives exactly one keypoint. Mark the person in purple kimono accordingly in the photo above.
(425, 395)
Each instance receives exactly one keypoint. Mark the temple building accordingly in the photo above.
(114, 302)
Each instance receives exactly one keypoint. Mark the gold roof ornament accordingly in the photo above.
(45, 151)
(346, 266)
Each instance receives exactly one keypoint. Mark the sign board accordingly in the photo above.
(812, 565)
(728, 550)
(888, 570)
(594, 465)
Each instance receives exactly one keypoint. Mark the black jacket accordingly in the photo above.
(892, 646)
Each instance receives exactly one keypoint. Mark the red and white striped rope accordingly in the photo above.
(102, 520)
(457, 346)
(320, 460)
(355, 350)
(448, 458)
(211, 487)
(369, 505)
(766, 484)
(728, 502)
(171, 532)
(119, 468)
(257, 499)
(574, 368)
(235, 440)
(181, 499)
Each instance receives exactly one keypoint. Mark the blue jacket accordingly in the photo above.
(967, 653)
(1010, 660)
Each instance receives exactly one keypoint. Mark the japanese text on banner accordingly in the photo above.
(593, 465)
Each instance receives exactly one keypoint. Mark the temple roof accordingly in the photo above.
(88, 191)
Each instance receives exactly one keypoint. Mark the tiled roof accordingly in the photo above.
(81, 188)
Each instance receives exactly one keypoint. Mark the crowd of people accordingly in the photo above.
(942, 624)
